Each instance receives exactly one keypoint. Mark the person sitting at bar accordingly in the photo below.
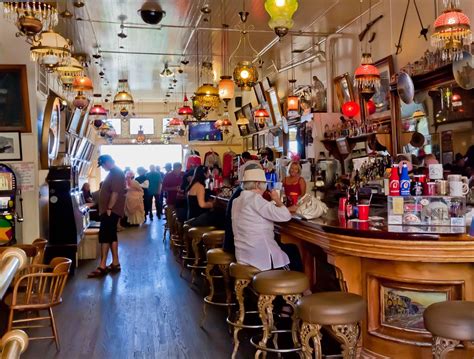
(197, 204)
(253, 220)
(86, 192)
(294, 184)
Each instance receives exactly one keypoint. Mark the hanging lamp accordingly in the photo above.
(50, 49)
(350, 109)
(97, 111)
(226, 89)
(207, 96)
(81, 84)
(281, 15)
(185, 110)
(67, 71)
(31, 17)
(452, 32)
(367, 76)
(140, 138)
(261, 116)
(123, 100)
(226, 85)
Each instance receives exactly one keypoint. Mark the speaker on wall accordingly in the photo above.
(238, 102)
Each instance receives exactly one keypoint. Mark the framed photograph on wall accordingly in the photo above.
(381, 97)
(10, 146)
(262, 141)
(259, 92)
(275, 108)
(14, 99)
(244, 130)
(255, 142)
(344, 89)
(246, 111)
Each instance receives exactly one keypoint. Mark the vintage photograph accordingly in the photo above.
(10, 146)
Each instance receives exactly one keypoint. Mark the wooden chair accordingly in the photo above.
(40, 244)
(44, 286)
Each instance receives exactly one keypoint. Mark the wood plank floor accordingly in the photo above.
(146, 311)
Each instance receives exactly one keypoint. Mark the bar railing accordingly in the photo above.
(11, 261)
(14, 343)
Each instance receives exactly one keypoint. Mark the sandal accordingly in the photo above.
(114, 268)
(98, 273)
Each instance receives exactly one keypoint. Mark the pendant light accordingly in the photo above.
(50, 49)
(367, 77)
(226, 85)
(123, 101)
(245, 72)
(350, 109)
(261, 116)
(185, 110)
(67, 72)
(97, 111)
(140, 138)
(293, 101)
(81, 84)
(452, 32)
(207, 96)
(31, 17)
(281, 14)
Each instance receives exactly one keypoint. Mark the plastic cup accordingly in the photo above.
(294, 198)
(364, 210)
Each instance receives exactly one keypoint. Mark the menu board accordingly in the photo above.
(25, 173)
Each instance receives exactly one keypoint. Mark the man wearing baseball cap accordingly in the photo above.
(253, 220)
(111, 209)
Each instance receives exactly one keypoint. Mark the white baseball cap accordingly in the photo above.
(255, 175)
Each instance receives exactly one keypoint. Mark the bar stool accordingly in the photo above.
(242, 275)
(213, 239)
(269, 284)
(168, 224)
(340, 311)
(217, 258)
(194, 238)
(450, 323)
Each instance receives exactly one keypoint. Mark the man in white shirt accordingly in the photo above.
(253, 220)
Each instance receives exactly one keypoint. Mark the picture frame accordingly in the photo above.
(10, 146)
(381, 97)
(246, 111)
(244, 130)
(262, 140)
(14, 99)
(275, 107)
(344, 89)
(259, 92)
(255, 142)
(245, 143)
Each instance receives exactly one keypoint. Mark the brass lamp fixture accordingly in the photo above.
(82, 84)
(281, 13)
(261, 116)
(67, 71)
(123, 100)
(207, 96)
(31, 17)
(50, 49)
(367, 77)
(140, 138)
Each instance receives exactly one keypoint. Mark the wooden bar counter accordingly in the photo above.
(398, 273)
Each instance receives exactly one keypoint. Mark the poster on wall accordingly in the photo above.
(25, 173)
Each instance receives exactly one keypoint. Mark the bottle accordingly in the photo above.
(349, 207)
(394, 182)
(404, 181)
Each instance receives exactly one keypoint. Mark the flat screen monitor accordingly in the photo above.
(204, 131)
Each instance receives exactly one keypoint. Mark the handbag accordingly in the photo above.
(310, 207)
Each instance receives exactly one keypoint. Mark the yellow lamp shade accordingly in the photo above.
(245, 75)
(226, 88)
(207, 96)
(281, 13)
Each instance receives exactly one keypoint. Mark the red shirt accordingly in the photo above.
(171, 183)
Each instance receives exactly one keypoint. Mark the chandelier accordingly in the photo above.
(367, 76)
(67, 71)
(50, 49)
(281, 13)
(207, 97)
(30, 17)
(452, 32)
(123, 99)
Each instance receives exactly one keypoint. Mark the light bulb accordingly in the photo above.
(280, 3)
(244, 74)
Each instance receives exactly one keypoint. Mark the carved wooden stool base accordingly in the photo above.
(442, 346)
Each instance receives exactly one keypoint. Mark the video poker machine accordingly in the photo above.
(10, 194)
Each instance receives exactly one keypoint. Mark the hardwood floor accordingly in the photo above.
(146, 311)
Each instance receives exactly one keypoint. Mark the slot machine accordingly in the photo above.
(9, 194)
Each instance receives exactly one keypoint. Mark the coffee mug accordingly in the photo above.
(430, 189)
(442, 187)
(435, 171)
(458, 189)
(454, 178)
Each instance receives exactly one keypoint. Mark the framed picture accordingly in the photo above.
(14, 99)
(344, 89)
(244, 130)
(381, 97)
(246, 111)
(262, 140)
(275, 108)
(259, 92)
(10, 146)
(255, 142)
(245, 143)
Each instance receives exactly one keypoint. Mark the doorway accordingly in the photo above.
(134, 156)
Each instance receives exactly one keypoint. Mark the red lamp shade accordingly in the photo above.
(175, 122)
(218, 124)
(367, 75)
(80, 102)
(293, 103)
(226, 122)
(350, 109)
(370, 107)
(82, 83)
(98, 110)
(261, 113)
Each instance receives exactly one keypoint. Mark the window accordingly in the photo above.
(146, 123)
(116, 124)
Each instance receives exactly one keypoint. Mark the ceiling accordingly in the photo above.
(185, 34)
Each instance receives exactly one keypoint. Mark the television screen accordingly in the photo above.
(204, 131)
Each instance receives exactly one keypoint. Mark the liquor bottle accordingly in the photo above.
(350, 204)
(404, 181)
(394, 183)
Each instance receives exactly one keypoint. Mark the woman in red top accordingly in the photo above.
(294, 184)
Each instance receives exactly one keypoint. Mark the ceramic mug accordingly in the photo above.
(435, 171)
(442, 187)
(458, 189)
(454, 178)
(430, 189)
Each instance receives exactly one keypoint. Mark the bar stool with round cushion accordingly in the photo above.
(176, 242)
(195, 239)
(213, 239)
(450, 323)
(217, 258)
(341, 312)
(186, 250)
(269, 284)
(242, 275)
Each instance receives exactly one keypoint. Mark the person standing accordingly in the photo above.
(134, 207)
(144, 183)
(111, 209)
(172, 184)
(154, 191)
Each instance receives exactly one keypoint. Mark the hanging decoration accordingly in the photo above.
(140, 138)
(185, 110)
(123, 101)
(226, 89)
(50, 49)
(367, 77)
(107, 131)
(350, 109)
(207, 96)
(226, 85)
(31, 17)
(452, 32)
(261, 116)
(67, 71)
(293, 101)
(97, 112)
(245, 73)
(81, 84)
(281, 15)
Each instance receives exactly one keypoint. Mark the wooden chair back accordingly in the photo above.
(43, 286)
(40, 244)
